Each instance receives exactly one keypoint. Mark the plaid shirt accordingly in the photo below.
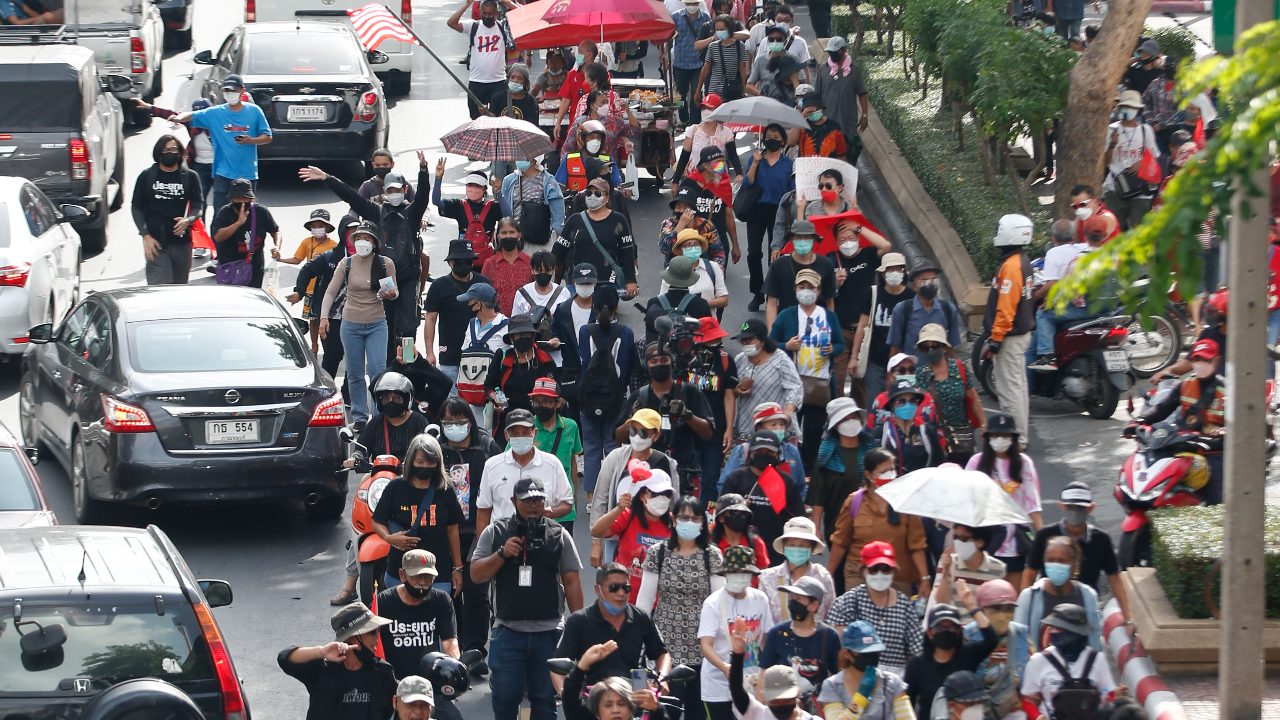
(897, 625)
(683, 54)
(1161, 106)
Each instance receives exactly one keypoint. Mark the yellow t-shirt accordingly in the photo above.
(308, 249)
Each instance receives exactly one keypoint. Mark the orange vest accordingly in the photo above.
(576, 171)
(1213, 414)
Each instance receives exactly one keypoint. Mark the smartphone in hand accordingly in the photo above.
(639, 680)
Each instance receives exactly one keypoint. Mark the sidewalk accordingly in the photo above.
(1199, 696)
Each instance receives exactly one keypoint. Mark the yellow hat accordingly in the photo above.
(689, 234)
(647, 418)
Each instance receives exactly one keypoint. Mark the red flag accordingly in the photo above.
(826, 227)
(775, 488)
(1198, 134)
(200, 238)
(374, 23)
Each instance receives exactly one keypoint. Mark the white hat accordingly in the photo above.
(898, 359)
(799, 528)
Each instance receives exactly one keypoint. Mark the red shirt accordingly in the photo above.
(574, 87)
(1273, 277)
(507, 278)
(762, 554)
(634, 543)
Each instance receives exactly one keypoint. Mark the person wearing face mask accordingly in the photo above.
(958, 410)
(486, 336)
(1016, 472)
(945, 650)
(705, 134)
(317, 243)
(575, 86)
(1071, 652)
(640, 520)
(800, 640)
(612, 618)
(510, 268)
(766, 375)
(1002, 672)
(724, 71)
(1058, 261)
(516, 367)
(778, 691)
(824, 136)
(237, 129)
(578, 168)
(909, 317)
(836, 471)
(686, 61)
(798, 543)
(965, 559)
(1128, 140)
(240, 229)
(419, 511)
(778, 42)
(964, 696)
(372, 189)
(321, 270)
(422, 618)
(887, 610)
(447, 317)
(534, 565)
(858, 251)
(1037, 601)
(167, 198)
(557, 435)
(759, 495)
(684, 217)
(768, 417)
(677, 299)
(915, 444)
(710, 285)
(1146, 66)
(602, 237)
(863, 688)
(531, 196)
(771, 171)
(1080, 308)
(487, 50)
(1085, 204)
(901, 367)
(614, 474)
(716, 378)
(395, 424)
(604, 105)
(733, 528)
(477, 217)
(869, 356)
(745, 609)
(780, 281)
(541, 297)
(812, 335)
(345, 668)
(522, 459)
(711, 180)
(514, 100)
(865, 517)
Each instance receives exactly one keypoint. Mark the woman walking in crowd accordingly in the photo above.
(959, 410)
(864, 688)
(915, 444)
(798, 543)
(733, 529)
(1016, 473)
(766, 516)
(802, 641)
(681, 573)
(888, 610)
(642, 429)
(640, 520)
(767, 376)
(901, 367)
(167, 199)
(770, 172)
(710, 285)
(869, 349)
(708, 133)
(510, 268)
(724, 73)
(419, 510)
(1001, 678)
(837, 471)
(1057, 587)
(769, 417)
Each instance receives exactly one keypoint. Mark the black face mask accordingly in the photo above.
(862, 661)
(782, 712)
(395, 408)
(1070, 644)
(424, 472)
(509, 243)
(544, 412)
(415, 592)
(660, 373)
(170, 157)
(489, 21)
(760, 462)
(381, 172)
(736, 522)
(837, 57)
(933, 357)
(797, 610)
(365, 655)
(523, 344)
(947, 640)
(773, 144)
(928, 292)
(542, 279)
(462, 268)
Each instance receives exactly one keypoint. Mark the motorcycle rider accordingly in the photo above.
(1010, 318)
(1201, 406)
(579, 168)
(1047, 320)
(1215, 330)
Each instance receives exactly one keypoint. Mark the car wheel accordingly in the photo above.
(178, 39)
(399, 83)
(329, 508)
(140, 119)
(27, 412)
(157, 84)
(88, 510)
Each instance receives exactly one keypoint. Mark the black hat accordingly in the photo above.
(1070, 617)
(903, 387)
(731, 502)
(518, 418)
(461, 250)
(765, 440)
(752, 329)
(788, 64)
(925, 266)
(232, 82)
(521, 323)
(941, 612)
(687, 193)
(709, 153)
(240, 188)
(528, 488)
(1002, 423)
(320, 214)
(963, 686)
(813, 99)
(584, 273)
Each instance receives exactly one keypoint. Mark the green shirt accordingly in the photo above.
(570, 445)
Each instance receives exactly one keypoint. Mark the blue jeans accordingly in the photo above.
(364, 346)
(597, 441)
(1273, 334)
(1047, 323)
(221, 186)
(518, 661)
(205, 172)
(452, 372)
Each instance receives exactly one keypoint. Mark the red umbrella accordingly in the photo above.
(532, 32)
(826, 227)
(604, 12)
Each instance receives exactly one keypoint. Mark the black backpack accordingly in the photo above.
(1077, 699)
(600, 391)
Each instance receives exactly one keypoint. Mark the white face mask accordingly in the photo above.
(848, 249)
(750, 350)
(888, 475)
(1084, 213)
(973, 712)
(806, 297)
(585, 290)
(319, 233)
(1001, 444)
(850, 427)
(965, 548)
(658, 505)
(394, 198)
(363, 247)
(639, 442)
(879, 581)
(595, 202)
(593, 146)
(737, 582)
(231, 96)
(1202, 369)
(894, 279)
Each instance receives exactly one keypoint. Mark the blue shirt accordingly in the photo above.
(682, 51)
(905, 337)
(232, 160)
(774, 180)
(9, 8)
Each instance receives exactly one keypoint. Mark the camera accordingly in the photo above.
(533, 532)
(677, 338)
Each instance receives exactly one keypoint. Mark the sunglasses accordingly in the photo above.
(931, 346)
(880, 570)
(595, 193)
(1081, 204)
(615, 587)
(826, 186)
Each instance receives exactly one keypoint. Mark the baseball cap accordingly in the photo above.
(415, 688)
(765, 440)
(809, 276)
(892, 259)
(527, 488)
(752, 329)
(860, 636)
(729, 502)
(878, 552)
(711, 101)
(393, 180)
(943, 612)
(232, 82)
(710, 152)
(837, 43)
(806, 586)
(479, 291)
(996, 592)
(768, 411)
(647, 418)
(419, 562)
(519, 418)
(545, 387)
(779, 682)
(476, 177)
(963, 686)
(355, 619)
(1076, 493)
(900, 358)
(1204, 348)
(1095, 225)
(584, 273)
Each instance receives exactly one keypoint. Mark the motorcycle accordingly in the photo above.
(672, 706)
(372, 550)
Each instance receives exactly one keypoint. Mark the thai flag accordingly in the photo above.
(374, 23)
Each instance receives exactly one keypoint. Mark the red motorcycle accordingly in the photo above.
(372, 550)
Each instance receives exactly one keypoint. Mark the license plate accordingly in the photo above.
(1117, 360)
(221, 432)
(306, 113)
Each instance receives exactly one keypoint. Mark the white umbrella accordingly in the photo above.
(953, 494)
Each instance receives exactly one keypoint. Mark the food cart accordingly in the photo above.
(651, 101)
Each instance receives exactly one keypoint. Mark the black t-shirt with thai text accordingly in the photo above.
(878, 320)
(415, 630)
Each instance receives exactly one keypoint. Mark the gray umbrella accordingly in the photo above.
(759, 110)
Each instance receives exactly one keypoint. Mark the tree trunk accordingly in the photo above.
(1018, 188)
(944, 104)
(924, 86)
(1082, 133)
(892, 25)
(957, 122)
(984, 154)
(860, 30)
(906, 73)
(879, 25)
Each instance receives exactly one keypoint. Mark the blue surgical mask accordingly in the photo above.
(802, 247)
(693, 253)
(688, 529)
(523, 165)
(611, 608)
(722, 34)
(905, 411)
(515, 87)
(782, 435)
(1128, 114)
(814, 116)
(578, 58)
(797, 556)
(776, 47)
(521, 445)
(456, 433)
(1058, 573)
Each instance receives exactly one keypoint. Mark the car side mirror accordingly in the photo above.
(33, 454)
(216, 592)
(119, 83)
(72, 213)
(377, 57)
(560, 666)
(204, 57)
(40, 334)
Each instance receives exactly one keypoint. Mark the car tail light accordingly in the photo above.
(80, 166)
(125, 418)
(366, 110)
(250, 11)
(137, 55)
(406, 11)
(14, 275)
(328, 413)
(232, 700)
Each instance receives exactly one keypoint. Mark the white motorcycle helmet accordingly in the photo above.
(1013, 229)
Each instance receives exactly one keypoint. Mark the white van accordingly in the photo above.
(395, 75)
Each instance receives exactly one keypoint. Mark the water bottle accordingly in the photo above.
(270, 273)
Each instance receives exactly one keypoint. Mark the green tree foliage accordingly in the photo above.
(1022, 82)
(124, 662)
(924, 21)
(1164, 246)
(1175, 40)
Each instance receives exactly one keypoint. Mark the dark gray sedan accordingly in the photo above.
(185, 394)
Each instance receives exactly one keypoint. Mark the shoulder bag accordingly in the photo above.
(617, 269)
(959, 440)
(240, 272)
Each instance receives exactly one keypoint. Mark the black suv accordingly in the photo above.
(85, 608)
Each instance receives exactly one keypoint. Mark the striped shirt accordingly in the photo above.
(1161, 105)
(774, 380)
(897, 625)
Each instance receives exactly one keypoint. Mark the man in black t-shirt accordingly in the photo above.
(344, 678)
(421, 621)
(716, 379)
(167, 198)
(445, 310)
(232, 225)
(765, 451)
(780, 281)
(855, 263)
(890, 290)
(584, 234)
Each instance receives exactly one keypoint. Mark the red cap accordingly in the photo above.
(1206, 349)
(709, 329)
(1218, 301)
(545, 387)
(1095, 224)
(711, 101)
(878, 552)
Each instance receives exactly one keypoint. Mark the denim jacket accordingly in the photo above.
(552, 195)
(1031, 611)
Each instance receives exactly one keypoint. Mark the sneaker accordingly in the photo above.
(200, 252)
(756, 303)
(211, 269)
(1044, 362)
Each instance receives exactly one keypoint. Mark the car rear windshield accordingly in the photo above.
(16, 492)
(47, 104)
(309, 54)
(214, 345)
(101, 12)
(106, 644)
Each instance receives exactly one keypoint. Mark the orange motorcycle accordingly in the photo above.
(371, 549)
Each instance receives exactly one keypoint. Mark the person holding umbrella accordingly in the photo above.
(706, 133)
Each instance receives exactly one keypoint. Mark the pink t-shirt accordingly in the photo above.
(1026, 493)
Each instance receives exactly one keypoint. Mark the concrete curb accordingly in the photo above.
(1136, 669)
(1183, 7)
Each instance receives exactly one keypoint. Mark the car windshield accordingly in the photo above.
(49, 100)
(16, 492)
(301, 53)
(101, 12)
(106, 644)
(214, 345)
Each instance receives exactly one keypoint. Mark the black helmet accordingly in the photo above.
(1179, 138)
(393, 382)
(448, 677)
